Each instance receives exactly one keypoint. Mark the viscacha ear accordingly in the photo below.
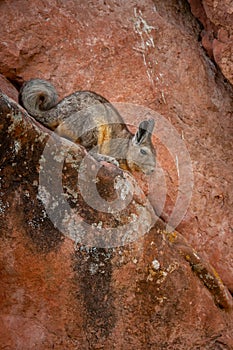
(144, 131)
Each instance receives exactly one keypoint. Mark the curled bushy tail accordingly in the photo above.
(38, 96)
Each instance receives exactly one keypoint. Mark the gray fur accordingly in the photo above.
(85, 118)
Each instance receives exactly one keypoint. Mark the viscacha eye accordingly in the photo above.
(142, 151)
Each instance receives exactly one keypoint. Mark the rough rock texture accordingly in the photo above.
(55, 295)
(111, 280)
(8, 88)
(217, 35)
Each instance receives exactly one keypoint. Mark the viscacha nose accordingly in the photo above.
(150, 171)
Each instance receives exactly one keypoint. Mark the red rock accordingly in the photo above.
(7, 88)
(217, 36)
(56, 294)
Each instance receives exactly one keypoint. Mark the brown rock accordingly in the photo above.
(217, 36)
(7, 88)
(147, 54)
(34, 214)
(64, 295)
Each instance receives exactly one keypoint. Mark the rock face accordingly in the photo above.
(147, 58)
(116, 278)
(217, 35)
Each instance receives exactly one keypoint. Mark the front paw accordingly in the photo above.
(112, 160)
(104, 158)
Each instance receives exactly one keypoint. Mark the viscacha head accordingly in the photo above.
(141, 154)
